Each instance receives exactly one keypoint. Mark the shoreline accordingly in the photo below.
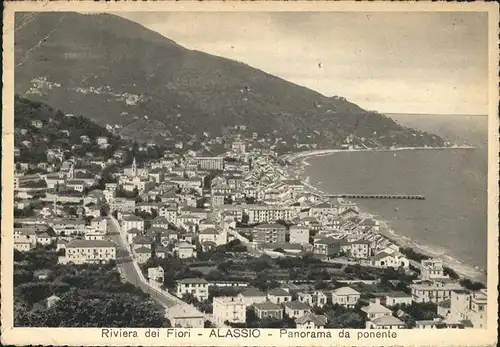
(292, 157)
(297, 169)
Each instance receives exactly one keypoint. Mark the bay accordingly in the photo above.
(452, 221)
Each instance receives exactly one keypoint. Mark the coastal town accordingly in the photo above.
(233, 239)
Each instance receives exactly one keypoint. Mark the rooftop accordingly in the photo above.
(376, 308)
(278, 292)
(90, 243)
(318, 320)
(143, 250)
(267, 306)
(297, 305)
(346, 291)
(387, 320)
(270, 226)
(253, 292)
(193, 281)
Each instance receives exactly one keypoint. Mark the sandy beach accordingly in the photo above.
(293, 157)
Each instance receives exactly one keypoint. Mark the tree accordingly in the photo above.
(190, 299)
(471, 285)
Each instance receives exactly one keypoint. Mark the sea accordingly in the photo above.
(451, 222)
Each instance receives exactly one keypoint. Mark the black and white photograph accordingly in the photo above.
(308, 172)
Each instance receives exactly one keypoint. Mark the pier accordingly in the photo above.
(374, 196)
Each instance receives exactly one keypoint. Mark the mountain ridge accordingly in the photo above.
(89, 65)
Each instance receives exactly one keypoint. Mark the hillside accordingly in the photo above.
(115, 71)
(56, 131)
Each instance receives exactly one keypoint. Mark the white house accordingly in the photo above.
(316, 298)
(252, 296)
(156, 273)
(296, 309)
(375, 310)
(268, 309)
(279, 296)
(99, 223)
(433, 291)
(385, 322)
(44, 239)
(311, 321)
(198, 287)
(345, 296)
(299, 234)
(185, 316)
(229, 308)
(89, 251)
(185, 250)
(385, 260)
(398, 298)
(131, 222)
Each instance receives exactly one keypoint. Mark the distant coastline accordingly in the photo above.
(298, 163)
(292, 157)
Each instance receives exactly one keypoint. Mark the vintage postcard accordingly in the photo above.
(249, 174)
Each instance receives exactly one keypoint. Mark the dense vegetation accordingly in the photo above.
(90, 295)
(180, 91)
(58, 131)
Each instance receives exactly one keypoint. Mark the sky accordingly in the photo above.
(405, 62)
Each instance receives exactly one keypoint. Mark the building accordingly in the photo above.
(218, 199)
(185, 250)
(185, 316)
(25, 235)
(198, 287)
(360, 249)
(269, 233)
(313, 299)
(156, 274)
(433, 291)
(229, 308)
(238, 146)
(397, 298)
(430, 324)
(299, 234)
(385, 322)
(324, 209)
(468, 306)
(210, 163)
(160, 222)
(296, 309)
(209, 234)
(89, 252)
(132, 222)
(44, 239)
(375, 310)
(345, 296)
(99, 223)
(432, 269)
(23, 246)
(142, 254)
(268, 214)
(311, 321)
(328, 247)
(385, 260)
(37, 123)
(279, 296)
(142, 241)
(252, 296)
(268, 310)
